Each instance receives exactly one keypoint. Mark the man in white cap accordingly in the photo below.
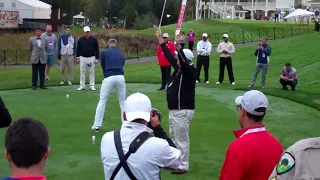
(146, 154)
(180, 99)
(163, 62)
(225, 49)
(255, 152)
(87, 55)
(204, 50)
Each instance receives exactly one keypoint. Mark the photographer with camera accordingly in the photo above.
(131, 153)
(180, 99)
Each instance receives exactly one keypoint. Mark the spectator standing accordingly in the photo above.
(225, 49)
(66, 51)
(316, 13)
(27, 149)
(180, 99)
(87, 54)
(299, 161)
(191, 37)
(149, 154)
(5, 117)
(204, 50)
(182, 39)
(38, 47)
(112, 62)
(288, 76)
(164, 64)
(277, 14)
(52, 48)
(250, 157)
(262, 53)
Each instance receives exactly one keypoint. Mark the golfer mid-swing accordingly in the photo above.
(112, 62)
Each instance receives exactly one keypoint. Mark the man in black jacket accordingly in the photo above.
(180, 99)
(5, 117)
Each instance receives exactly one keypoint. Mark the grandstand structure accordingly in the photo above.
(243, 8)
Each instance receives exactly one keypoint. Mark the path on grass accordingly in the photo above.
(129, 61)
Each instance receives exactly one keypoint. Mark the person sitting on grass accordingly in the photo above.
(288, 76)
(26, 149)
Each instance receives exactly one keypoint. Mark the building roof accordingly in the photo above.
(36, 4)
(79, 16)
(238, 8)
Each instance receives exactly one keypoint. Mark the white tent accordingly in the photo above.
(34, 9)
(78, 19)
(299, 13)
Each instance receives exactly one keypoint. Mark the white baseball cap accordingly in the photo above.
(204, 35)
(189, 54)
(165, 35)
(86, 29)
(253, 100)
(225, 36)
(137, 106)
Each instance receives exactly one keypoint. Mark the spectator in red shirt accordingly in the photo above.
(5, 117)
(163, 62)
(27, 149)
(255, 152)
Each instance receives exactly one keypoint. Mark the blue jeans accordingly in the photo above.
(51, 60)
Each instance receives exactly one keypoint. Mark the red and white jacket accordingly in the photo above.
(162, 60)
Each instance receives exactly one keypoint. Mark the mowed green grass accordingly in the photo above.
(69, 122)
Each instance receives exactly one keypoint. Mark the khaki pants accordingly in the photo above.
(179, 121)
(66, 60)
(87, 64)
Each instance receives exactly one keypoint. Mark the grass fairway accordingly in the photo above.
(292, 115)
(69, 124)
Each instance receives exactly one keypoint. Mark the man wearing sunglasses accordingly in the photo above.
(255, 152)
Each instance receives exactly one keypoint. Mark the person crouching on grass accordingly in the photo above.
(288, 76)
(180, 98)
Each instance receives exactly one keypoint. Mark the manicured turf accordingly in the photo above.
(69, 122)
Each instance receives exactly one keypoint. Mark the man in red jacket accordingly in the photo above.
(163, 62)
(255, 152)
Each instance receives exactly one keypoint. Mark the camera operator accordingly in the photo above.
(5, 117)
(180, 99)
(145, 155)
(158, 131)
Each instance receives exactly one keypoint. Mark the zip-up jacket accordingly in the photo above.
(5, 117)
(263, 54)
(67, 45)
(162, 60)
(181, 91)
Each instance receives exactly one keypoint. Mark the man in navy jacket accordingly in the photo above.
(263, 53)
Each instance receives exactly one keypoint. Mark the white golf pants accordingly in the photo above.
(108, 85)
(179, 121)
(87, 63)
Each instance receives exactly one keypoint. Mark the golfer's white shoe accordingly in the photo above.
(93, 89)
(218, 82)
(69, 83)
(62, 83)
(80, 89)
(207, 82)
(197, 81)
(233, 83)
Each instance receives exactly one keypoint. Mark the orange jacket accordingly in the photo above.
(162, 60)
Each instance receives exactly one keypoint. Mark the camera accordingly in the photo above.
(156, 113)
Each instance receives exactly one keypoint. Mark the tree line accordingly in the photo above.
(135, 13)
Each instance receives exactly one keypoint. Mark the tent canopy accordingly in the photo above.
(36, 4)
(299, 13)
(79, 16)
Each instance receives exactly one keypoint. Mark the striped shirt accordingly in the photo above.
(292, 74)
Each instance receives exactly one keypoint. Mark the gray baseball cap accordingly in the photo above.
(253, 100)
(112, 40)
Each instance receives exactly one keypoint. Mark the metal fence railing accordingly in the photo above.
(131, 51)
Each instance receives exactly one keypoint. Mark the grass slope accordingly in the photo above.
(69, 124)
(300, 51)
